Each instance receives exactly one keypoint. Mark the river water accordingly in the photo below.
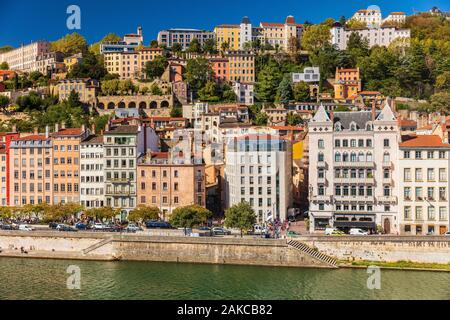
(47, 279)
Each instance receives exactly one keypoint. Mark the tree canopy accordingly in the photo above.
(190, 216)
(70, 44)
(240, 216)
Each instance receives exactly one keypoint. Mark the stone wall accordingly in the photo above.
(387, 249)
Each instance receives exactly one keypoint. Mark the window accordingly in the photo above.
(419, 196)
(407, 193)
(386, 143)
(430, 154)
(442, 194)
(337, 143)
(442, 213)
(321, 144)
(407, 213)
(430, 194)
(431, 213)
(406, 155)
(418, 154)
(442, 174)
(419, 213)
(407, 174)
(321, 157)
(418, 174)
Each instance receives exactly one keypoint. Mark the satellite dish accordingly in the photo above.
(374, 7)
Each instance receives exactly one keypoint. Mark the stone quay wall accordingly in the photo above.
(429, 249)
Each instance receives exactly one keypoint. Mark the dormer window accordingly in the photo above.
(353, 126)
(369, 126)
(338, 126)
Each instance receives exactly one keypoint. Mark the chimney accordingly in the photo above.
(47, 132)
(63, 125)
(107, 127)
(56, 127)
(83, 128)
(14, 128)
(36, 130)
(93, 128)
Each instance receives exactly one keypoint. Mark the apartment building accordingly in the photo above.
(241, 65)
(309, 74)
(92, 174)
(3, 175)
(245, 92)
(381, 36)
(353, 160)
(30, 171)
(71, 61)
(371, 16)
(258, 170)
(87, 89)
(125, 64)
(229, 34)
(347, 83)
(167, 183)
(183, 37)
(279, 34)
(123, 145)
(49, 63)
(396, 18)
(66, 163)
(129, 43)
(25, 57)
(424, 185)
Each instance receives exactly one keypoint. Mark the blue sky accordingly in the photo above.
(23, 21)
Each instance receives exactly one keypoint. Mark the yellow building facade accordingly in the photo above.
(228, 33)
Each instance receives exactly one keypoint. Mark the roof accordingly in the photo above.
(427, 127)
(228, 26)
(369, 93)
(33, 137)
(151, 49)
(407, 123)
(293, 128)
(423, 141)
(271, 24)
(93, 139)
(397, 13)
(164, 119)
(123, 130)
(68, 132)
(361, 118)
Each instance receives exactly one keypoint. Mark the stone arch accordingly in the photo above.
(132, 104)
(153, 105)
(142, 105)
(101, 105)
(164, 104)
(121, 105)
(111, 106)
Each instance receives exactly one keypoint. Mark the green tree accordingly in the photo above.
(209, 46)
(70, 44)
(155, 68)
(74, 100)
(355, 24)
(228, 94)
(90, 67)
(176, 112)
(189, 217)
(269, 79)
(176, 47)
(195, 46)
(316, 37)
(210, 92)
(5, 49)
(284, 91)
(441, 102)
(225, 46)
(357, 46)
(143, 213)
(32, 101)
(301, 91)
(198, 73)
(4, 66)
(240, 216)
(4, 102)
(261, 119)
(155, 90)
(154, 44)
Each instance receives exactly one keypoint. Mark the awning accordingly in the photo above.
(355, 224)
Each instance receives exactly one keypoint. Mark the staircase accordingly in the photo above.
(97, 245)
(303, 248)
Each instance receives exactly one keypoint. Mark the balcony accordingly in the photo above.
(388, 181)
(321, 164)
(354, 198)
(119, 180)
(357, 164)
(387, 164)
(387, 199)
(354, 180)
(321, 198)
(120, 193)
(322, 180)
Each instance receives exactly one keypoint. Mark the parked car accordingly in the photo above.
(293, 234)
(132, 228)
(206, 230)
(65, 228)
(7, 227)
(113, 228)
(447, 233)
(358, 232)
(329, 231)
(99, 227)
(53, 225)
(259, 230)
(158, 225)
(25, 227)
(80, 226)
(221, 231)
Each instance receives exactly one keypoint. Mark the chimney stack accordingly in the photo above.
(14, 128)
(93, 128)
(63, 125)
(46, 132)
(36, 130)
(374, 110)
(83, 128)
(56, 127)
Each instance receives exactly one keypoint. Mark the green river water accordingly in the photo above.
(46, 279)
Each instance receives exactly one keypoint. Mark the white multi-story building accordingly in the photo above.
(25, 57)
(245, 93)
(424, 185)
(310, 74)
(381, 36)
(353, 163)
(259, 171)
(396, 17)
(183, 37)
(370, 16)
(279, 34)
(92, 180)
(123, 145)
(246, 32)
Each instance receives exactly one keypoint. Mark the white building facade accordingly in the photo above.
(353, 163)
(92, 180)
(259, 171)
(245, 93)
(309, 74)
(424, 185)
(25, 57)
(183, 37)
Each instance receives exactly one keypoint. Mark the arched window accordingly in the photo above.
(386, 157)
(337, 126)
(337, 157)
(369, 126)
(353, 143)
(321, 144)
(353, 157)
(361, 157)
(353, 126)
(345, 157)
(387, 191)
(369, 157)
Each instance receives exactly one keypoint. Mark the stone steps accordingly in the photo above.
(97, 245)
(302, 247)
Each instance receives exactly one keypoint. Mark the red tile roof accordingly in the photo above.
(33, 137)
(424, 141)
(407, 123)
(68, 132)
(293, 128)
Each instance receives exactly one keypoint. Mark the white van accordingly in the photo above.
(358, 232)
(24, 227)
(258, 230)
(329, 231)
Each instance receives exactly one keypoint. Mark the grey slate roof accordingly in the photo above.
(347, 117)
